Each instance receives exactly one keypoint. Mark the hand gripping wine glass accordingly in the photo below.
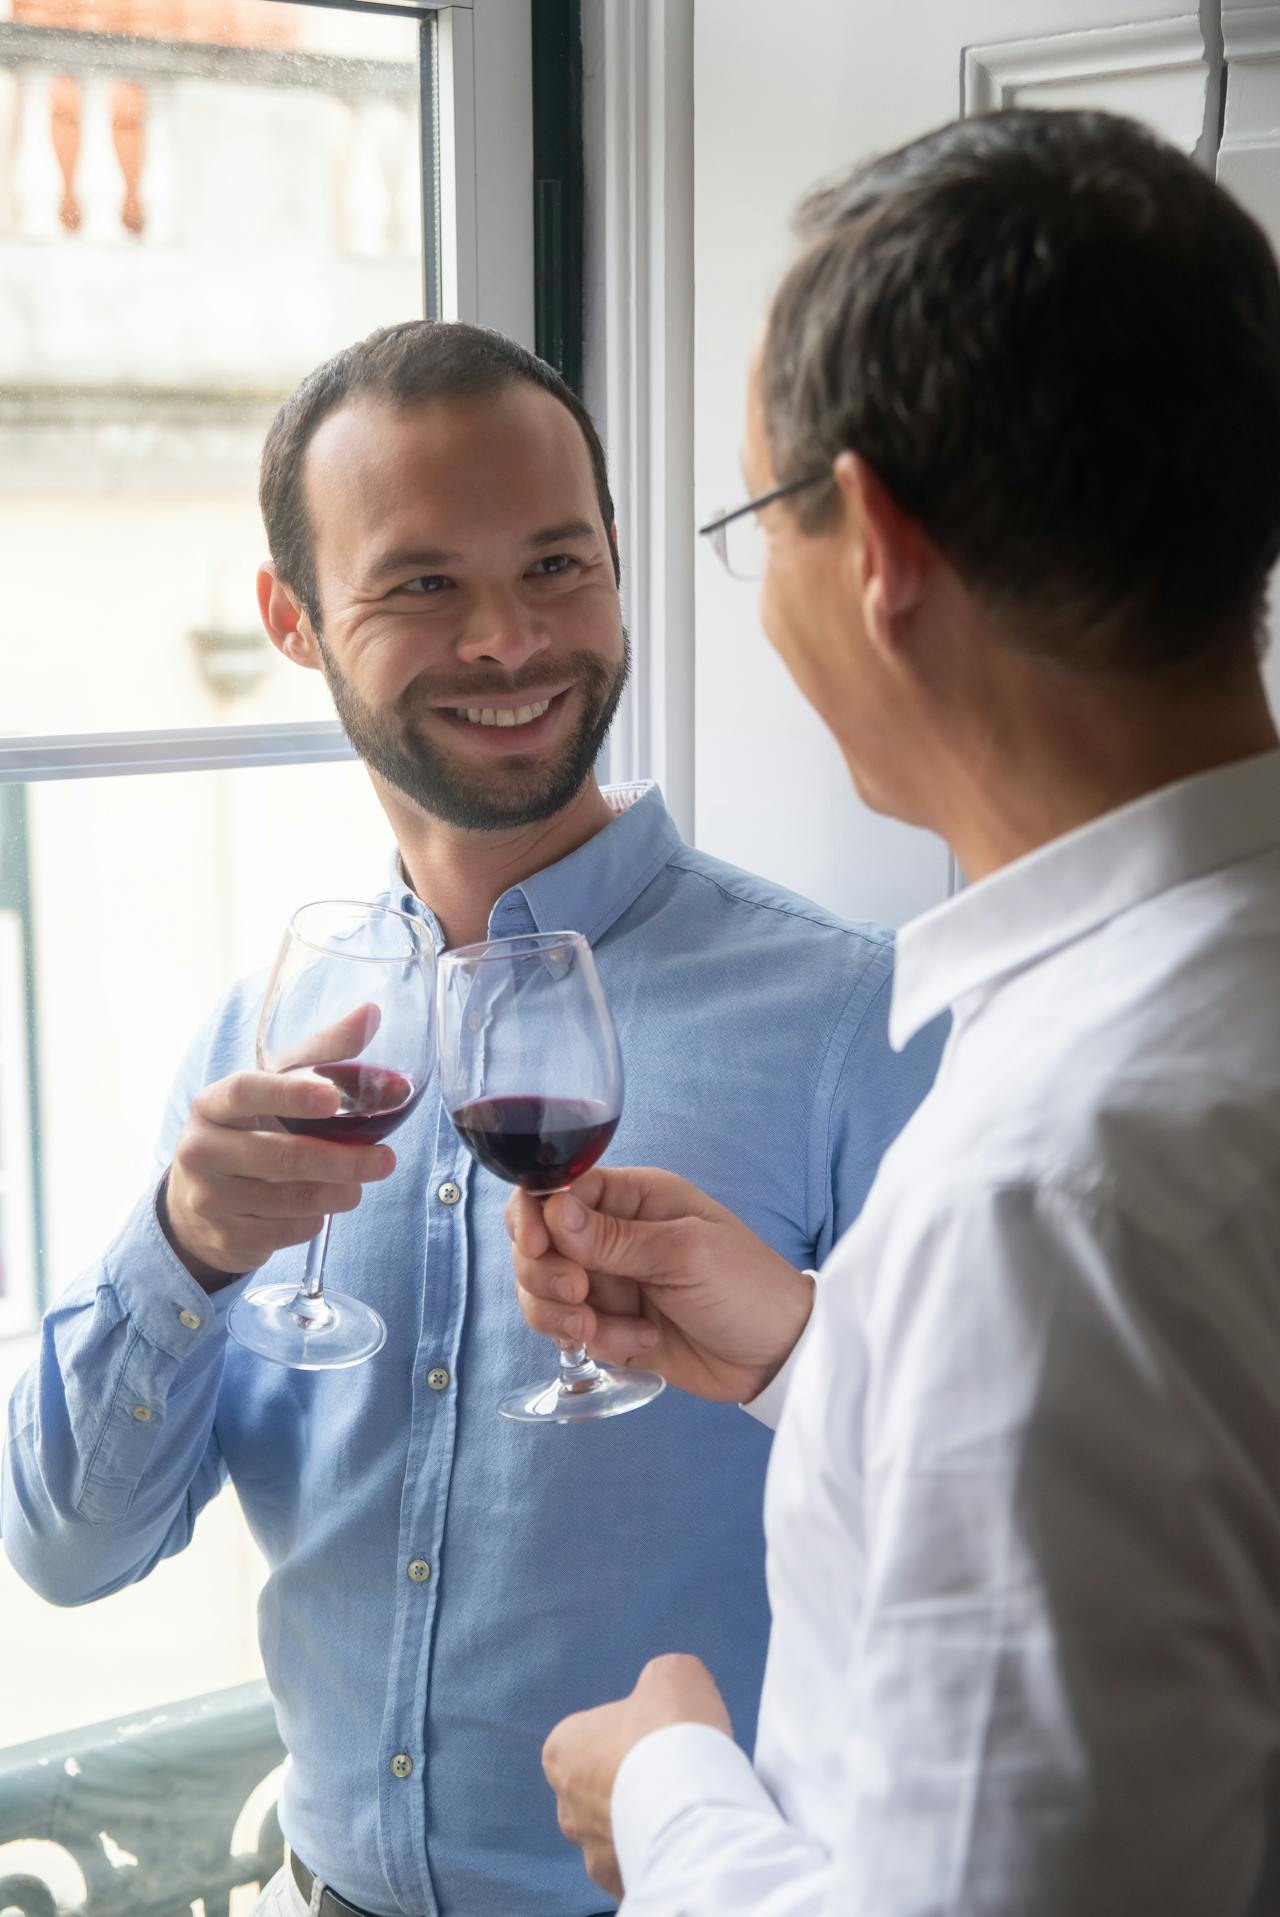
(350, 1001)
(531, 1076)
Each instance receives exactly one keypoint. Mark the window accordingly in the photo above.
(200, 200)
(19, 1237)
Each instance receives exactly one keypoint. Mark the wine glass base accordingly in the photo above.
(607, 1395)
(275, 1323)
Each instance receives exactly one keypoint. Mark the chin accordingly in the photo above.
(875, 792)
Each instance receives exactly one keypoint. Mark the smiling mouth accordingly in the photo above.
(502, 715)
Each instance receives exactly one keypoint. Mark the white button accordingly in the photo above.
(190, 1320)
(143, 1413)
(474, 1021)
(402, 1765)
(419, 1570)
(449, 1193)
(438, 1378)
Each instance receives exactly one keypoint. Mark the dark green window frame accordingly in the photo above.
(557, 185)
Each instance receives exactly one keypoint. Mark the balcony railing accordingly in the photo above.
(147, 1816)
(94, 130)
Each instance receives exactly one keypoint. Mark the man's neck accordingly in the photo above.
(462, 874)
(1028, 768)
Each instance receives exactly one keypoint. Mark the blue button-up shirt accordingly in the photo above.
(414, 1702)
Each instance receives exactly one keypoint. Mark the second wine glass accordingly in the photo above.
(531, 1075)
(350, 1002)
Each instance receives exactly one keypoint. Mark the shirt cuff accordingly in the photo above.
(680, 1768)
(767, 1404)
(156, 1290)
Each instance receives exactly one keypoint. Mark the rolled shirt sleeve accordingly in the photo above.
(110, 1451)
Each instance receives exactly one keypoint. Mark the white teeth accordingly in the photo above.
(503, 715)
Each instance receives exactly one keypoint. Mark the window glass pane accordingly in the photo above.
(200, 200)
(190, 881)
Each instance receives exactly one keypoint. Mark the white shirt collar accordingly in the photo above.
(1073, 885)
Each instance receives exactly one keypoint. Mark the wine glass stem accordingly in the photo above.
(313, 1278)
(577, 1371)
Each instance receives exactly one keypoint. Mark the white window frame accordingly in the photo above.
(485, 142)
(19, 1308)
(484, 147)
(637, 63)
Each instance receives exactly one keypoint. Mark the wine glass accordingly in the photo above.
(349, 1000)
(531, 1076)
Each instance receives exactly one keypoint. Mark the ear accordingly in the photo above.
(891, 556)
(287, 626)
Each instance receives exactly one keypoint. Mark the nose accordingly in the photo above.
(504, 632)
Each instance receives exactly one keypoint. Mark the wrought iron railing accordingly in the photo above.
(151, 1814)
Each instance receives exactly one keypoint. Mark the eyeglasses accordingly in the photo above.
(739, 540)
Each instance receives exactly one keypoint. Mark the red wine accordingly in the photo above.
(374, 1102)
(539, 1143)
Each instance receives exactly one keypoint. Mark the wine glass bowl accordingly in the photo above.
(349, 1002)
(531, 1076)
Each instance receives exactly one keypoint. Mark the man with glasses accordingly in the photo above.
(1013, 436)
(443, 550)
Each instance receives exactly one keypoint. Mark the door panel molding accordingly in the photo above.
(1158, 70)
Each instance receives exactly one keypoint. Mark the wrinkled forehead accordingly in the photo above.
(459, 469)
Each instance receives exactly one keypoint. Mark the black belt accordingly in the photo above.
(331, 1905)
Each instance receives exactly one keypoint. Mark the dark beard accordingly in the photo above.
(458, 795)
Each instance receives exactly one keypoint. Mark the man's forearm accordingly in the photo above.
(110, 1451)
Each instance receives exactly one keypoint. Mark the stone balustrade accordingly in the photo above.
(96, 129)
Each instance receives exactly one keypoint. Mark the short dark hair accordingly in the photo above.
(415, 361)
(1057, 342)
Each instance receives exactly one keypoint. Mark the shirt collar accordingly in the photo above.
(591, 888)
(1076, 883)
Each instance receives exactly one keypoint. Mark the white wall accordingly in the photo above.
(784, 95)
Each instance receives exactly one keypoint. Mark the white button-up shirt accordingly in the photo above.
(1023, 1510)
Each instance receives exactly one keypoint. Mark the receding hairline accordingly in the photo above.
(372, 398)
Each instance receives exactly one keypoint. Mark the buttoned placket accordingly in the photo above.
(404, 1781)
(418, 1568)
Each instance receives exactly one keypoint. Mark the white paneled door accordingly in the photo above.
(1249, 160)
(785, 94)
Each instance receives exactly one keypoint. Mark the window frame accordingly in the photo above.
(477, 200)
(475, 80)
(21, 1238)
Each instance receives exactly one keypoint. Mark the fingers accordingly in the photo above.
(642, 1192)
(618, 1246)
(525, 1226)
(223, 1135)
(256, 1198)
(241, 1100)
(345, 1039)
(610, 1339)
(235, 1193)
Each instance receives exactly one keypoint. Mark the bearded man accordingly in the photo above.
(444, 551)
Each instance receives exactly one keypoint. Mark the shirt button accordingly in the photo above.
(401, 1765)
(438, 1378)
(419, 1570)
(449, 1193)
(143, 1413)
(190, 1320)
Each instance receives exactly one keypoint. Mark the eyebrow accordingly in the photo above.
(426, 558)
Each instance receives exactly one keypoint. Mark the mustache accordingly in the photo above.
(459, 689)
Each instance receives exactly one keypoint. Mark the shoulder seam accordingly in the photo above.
(867, 933)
